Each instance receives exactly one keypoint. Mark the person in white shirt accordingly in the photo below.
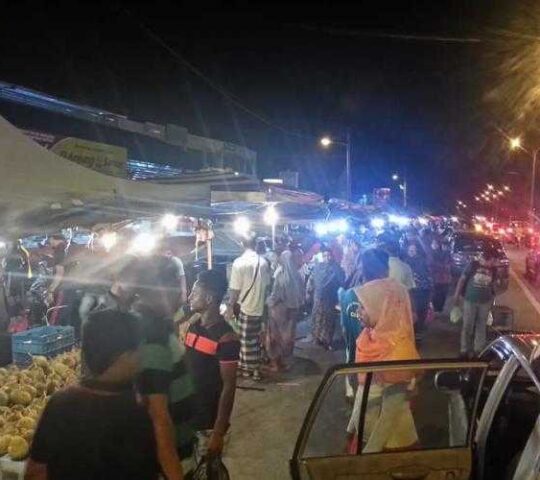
(248, 287)
(398, 269)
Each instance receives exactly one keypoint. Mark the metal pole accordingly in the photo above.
(348, 167)
(533, 181)
(274, 236)
(405, 192)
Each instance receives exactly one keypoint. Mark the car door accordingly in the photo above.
(409, 420)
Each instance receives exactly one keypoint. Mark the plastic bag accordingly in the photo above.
(489, 321)
(456, 314)
(211, 468)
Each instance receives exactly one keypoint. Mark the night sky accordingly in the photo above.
(301, 69)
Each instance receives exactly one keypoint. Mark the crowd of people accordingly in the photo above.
(172, 371)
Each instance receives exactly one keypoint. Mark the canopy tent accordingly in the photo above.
(40, 190)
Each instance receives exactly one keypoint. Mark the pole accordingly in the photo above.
(533, 181)
(274, 236)
(348, 167)
(405, 192)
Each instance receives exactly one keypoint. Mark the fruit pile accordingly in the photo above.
(24, 394)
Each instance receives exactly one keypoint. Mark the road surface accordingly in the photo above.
(266, 423)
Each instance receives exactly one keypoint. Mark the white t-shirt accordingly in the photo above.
(402, 272)
(242, 274)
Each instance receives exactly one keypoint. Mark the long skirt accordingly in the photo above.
(323, 318)
(281, 331)
(250, 342)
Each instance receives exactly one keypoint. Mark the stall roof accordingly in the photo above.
(40, 190)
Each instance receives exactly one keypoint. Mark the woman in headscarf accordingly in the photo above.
(325, 281)
(384, 309)
(284, 306)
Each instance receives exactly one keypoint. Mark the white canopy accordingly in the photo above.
(39, 189)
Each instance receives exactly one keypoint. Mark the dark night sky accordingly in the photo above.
(408, 103)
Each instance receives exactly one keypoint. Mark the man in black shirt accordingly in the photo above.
(97, 429)
(212, 353)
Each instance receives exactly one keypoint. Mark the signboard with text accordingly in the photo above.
(101, 157)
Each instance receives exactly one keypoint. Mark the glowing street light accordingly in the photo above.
(490, 187)
(506, 188)
(395, 177)
(326, 141)
(515, 143)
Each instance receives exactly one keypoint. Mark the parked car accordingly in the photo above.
(464, 420)
(466, 246)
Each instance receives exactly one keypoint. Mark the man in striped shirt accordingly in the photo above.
(212, 354)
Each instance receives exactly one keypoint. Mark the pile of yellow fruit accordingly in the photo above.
(24, 394)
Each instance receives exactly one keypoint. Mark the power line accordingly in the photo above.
(391, 36)
(211, 83)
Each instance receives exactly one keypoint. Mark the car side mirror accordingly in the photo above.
(448, 380)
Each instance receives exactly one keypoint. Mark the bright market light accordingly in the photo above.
(326, 141)
(395, 177)
(454, 219)
(399, 220)
(506, 188)
(108, 240)
(378, 223)
(423, 221)
(321, 229)
(169, 221)
(515, 143)
(340, 225)
(490, 187)
(143, 244)
(242, 226)
(271, 216)
(478, 227)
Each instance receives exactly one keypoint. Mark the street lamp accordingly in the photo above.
(515, 144)
(402, 187)
(327, 142)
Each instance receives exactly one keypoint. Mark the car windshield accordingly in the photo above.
(476, 244)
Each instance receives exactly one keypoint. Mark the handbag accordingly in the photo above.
(236, 307)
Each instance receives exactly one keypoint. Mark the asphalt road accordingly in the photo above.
(266, 421)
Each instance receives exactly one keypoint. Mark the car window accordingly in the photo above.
(513, 422)
(413, 409)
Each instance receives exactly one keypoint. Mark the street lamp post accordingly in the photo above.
(326, 142)
(515, 144)
(402, 187)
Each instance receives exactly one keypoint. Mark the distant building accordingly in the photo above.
(93, 136)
